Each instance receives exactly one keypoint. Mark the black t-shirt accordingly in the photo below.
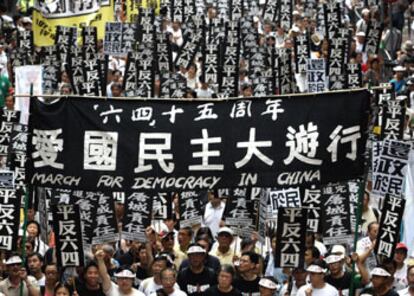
(196, 283)
(84, 291)
(214, 291)
(250, 288)
(342, 283)
(370, 291)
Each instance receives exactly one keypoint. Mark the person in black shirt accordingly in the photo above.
(90, 285)
(382, 282)
(196, 279)
(248, 281)
(224, 286)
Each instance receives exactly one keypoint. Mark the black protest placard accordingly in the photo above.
(336, 214)
(89, 42)
(211, 73)
(285, 14)
(312, 201)
(270, 10)
(88, 203)
(286, 82)
(176, 84)
(285, 198)
(23, 54)
(105, 228)
(241, 214)
(130, 83)
(290, 237)
(332, 11)
(205, 156)
(162, 206)
(9, 218)
(354, 187)
(191, 208)
(302, 52)
(393, 119)
(145, 67)
(7, 119)
(137, 216)
(91, 86)
(390, 226)
(68, 233)
(187, 52)
(373, 37)
(17, 156)
(263, 214)
(119, 38)
(315, 75)
(65, 38)
(163, 52)
(229, 85)
(390, 168)
(354, 76)
(42, 209)
(236, 9)
(335, 67)
(75, 69)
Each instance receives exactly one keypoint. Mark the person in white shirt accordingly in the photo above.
(124, 279)
(409, 291)
(213, 213)
(365, 246)
(400, 275)
(317, 286)
(168, 282)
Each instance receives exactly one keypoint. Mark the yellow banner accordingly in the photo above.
(69, 13)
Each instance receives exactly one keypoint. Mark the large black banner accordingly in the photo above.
(121, 145)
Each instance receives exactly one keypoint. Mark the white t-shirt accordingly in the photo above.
(328, 290)
(114, 291)
(175, 293)
(148, 286)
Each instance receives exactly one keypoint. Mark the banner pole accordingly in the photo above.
(26, 206)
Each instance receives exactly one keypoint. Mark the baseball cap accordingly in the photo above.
(401, 246)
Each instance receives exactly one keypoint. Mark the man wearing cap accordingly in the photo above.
(268, 286)
(400, 275)
(398, 81)
(362, 24)
(341, 279)
(196, 278)
(382, 281)
(124, 278)
(409, 291)
(223, 251)
(317, 286)
(17, 275)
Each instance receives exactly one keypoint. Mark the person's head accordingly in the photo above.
(410, 276)
(214, 198)
(248, 262)
(116, 75)
(167, 240)
(365, 202)
(399, 72)
(142, 254)
(381, 278)
(9, 102)
(205, 232)
(185, 235)
(168, 278)
(224, 237)
(192, 70)
(35, 263)
(124, 279)
(299, 274)
(116, 89)
(400, 253)
(196, 255)
(225, 276)
(51, 274)
(160, 262)
(373, 230)
(91, 275)
(247, 244)
(317, 272)
(204, 242)
(33, 229)
(360, 37)
(268, 286)
(65, 89)
(311, 254)
(13, 266)
(62, 290)
(365, 14)
(335, 264)
(247, 90)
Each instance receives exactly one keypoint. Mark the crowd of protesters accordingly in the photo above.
(210, 259)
